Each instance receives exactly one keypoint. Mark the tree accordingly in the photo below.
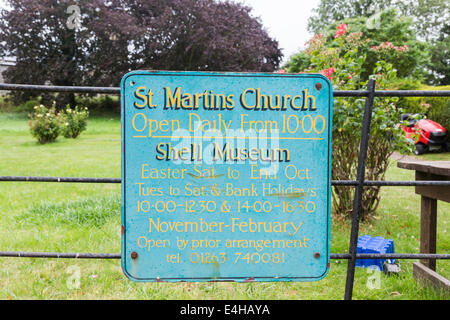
(209, 35)
(298, 62)
(429, 21)
(110, 38)
(389, 30)
(49, 50)
(331, 11)
(440, 59)
(429, 16)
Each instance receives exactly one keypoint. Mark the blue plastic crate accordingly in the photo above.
(369, 244)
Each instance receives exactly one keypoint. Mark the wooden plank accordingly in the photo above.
(434, 167)
(433, 192)
(430, 277)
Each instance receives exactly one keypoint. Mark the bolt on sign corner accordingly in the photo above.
(225, 176)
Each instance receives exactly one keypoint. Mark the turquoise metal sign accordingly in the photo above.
(225, 176)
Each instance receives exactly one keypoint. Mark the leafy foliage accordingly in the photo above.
(433, 108)
(117, 36)
(99, 104)
(429, 17)
(439, 62)
(73, 121)
(6, 104)
(44, 124)
(428, 20)
(392, 30)
(342, 61)
(297, 62)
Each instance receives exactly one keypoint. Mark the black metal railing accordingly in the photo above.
(359, 183)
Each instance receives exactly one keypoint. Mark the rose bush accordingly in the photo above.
(44, 124)
(342, 61)
(73, 121)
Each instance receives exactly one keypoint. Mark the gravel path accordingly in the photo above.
(398, 156)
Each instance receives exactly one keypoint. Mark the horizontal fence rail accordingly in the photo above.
(334, 256)
(59, 179)
(369, 94)
(72, 89)
(119, 180)
(116, 91)
(59, 255)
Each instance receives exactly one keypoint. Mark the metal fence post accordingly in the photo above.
(359, 189)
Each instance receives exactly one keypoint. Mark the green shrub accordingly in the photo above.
(343, 61)
(6, 104)
(433, 108)
(96, 105)
(99, 104)
(44, 124)
(73, 121)
(28, 106)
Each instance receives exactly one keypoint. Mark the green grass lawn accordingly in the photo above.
(71, 217)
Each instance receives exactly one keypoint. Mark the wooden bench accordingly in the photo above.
(429, 170)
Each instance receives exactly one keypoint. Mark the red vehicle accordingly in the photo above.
(432, 136)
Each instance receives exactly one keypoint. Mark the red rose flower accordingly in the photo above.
(341, 29)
